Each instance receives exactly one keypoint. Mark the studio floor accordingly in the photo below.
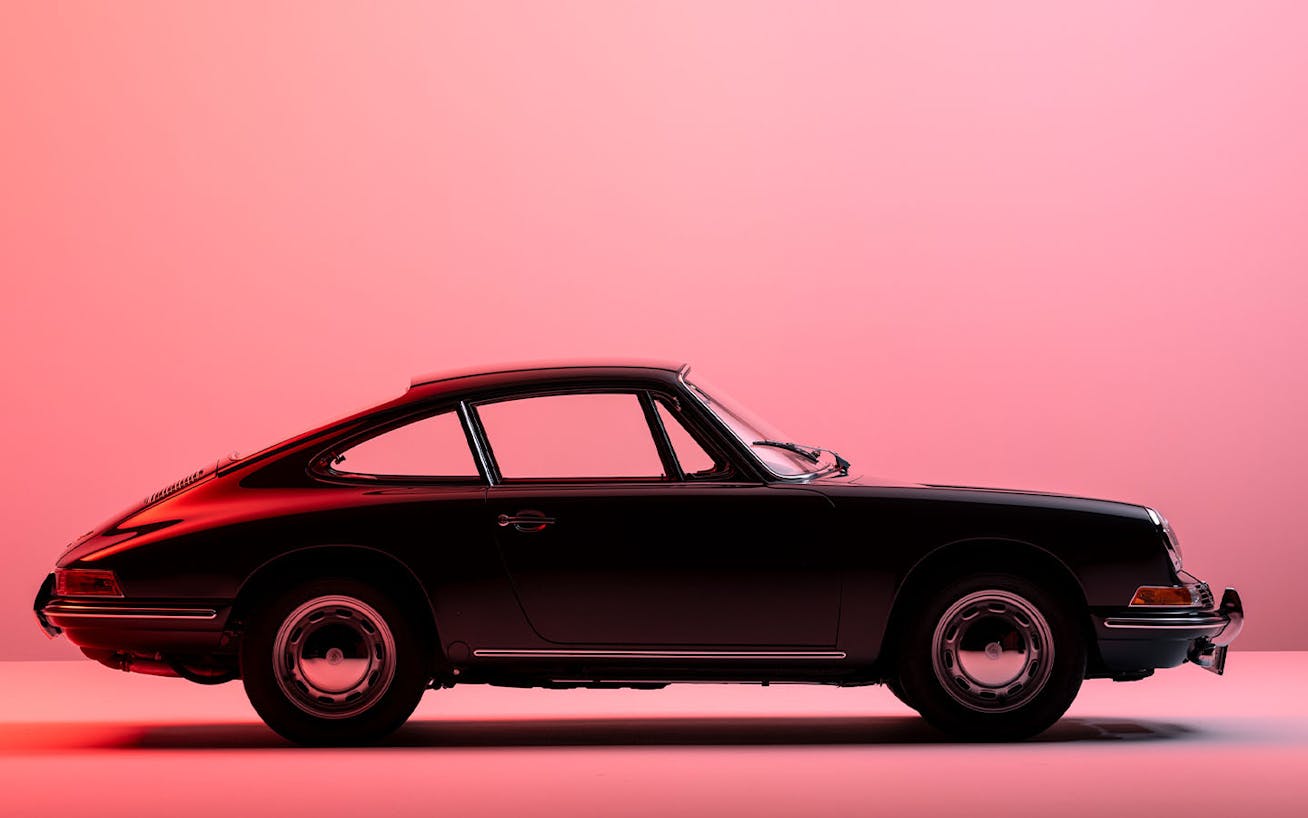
(77, 738)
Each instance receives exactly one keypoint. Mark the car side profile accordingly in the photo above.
(618, 524)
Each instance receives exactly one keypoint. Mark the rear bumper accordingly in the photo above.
(139, 625)
(43, 596)
(1131, 640)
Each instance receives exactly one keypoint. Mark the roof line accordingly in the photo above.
(530, 366)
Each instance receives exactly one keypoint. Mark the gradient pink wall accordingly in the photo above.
(1058, 246)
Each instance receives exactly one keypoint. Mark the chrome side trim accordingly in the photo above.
(498, 653)
(83, 611)
(1165, 622)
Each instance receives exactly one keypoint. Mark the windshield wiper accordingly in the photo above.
(810, 453)
(841, 463)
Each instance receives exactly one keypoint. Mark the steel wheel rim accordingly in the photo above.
(992, 651)
(334, 656)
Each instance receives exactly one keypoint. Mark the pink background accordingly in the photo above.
(1056, 246)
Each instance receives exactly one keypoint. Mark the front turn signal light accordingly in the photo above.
(1159, 595)
(86, 582)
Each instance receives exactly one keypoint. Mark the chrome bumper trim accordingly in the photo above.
(1164, 622)
(43, 595)
(1208, 656)
(1233, 609)
(79, 610)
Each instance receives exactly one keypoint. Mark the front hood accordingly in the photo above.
(936, 492)
(119, 526)
(1027, 492)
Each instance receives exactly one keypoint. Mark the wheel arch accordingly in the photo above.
(980, 555)
(365, 563)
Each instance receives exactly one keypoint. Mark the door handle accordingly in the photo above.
(527, 521)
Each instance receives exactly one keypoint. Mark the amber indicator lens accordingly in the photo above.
(85, 582)
(1164, 595)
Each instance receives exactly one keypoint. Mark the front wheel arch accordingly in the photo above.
(976, 556)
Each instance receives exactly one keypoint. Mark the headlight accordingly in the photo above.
(1173, 545)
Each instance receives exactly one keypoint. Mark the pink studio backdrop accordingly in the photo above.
(1055, 246)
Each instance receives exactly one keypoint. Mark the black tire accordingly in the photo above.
(898, 690)
(975, 658)
(333, 661)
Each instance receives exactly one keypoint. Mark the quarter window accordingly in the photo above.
(432, 447)
(694, 461)
(593, 435)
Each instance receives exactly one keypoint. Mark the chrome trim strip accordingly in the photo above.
(496, 653)
(1168, 622)
(79, 611)
(474, 434)
(614, 681)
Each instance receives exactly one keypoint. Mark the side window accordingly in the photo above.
(432, 447)
(694, 461)
(595, 435)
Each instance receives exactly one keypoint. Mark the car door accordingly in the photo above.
(607, 543)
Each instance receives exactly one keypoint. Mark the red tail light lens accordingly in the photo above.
(86, 582)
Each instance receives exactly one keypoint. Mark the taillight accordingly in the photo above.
(86, 582)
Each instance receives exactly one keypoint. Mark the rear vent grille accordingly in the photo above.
(178, 486)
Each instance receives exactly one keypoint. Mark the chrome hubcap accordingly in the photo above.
(992, 651)
(334, 656)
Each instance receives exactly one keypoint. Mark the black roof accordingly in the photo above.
(559, 367)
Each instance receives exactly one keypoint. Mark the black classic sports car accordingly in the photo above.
(618, 525)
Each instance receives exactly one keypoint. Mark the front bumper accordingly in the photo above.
(1135, 639)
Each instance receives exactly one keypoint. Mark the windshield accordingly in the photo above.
(751, 429)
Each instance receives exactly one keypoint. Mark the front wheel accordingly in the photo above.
(333, 661)
(993, 657)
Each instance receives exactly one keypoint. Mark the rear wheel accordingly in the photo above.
(333, 661)
(992, 657)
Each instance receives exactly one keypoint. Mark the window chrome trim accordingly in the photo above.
(472, 429)
(321, 466)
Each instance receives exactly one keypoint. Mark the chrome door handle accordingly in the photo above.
(525, 521)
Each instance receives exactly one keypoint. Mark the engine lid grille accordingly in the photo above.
(172, 488)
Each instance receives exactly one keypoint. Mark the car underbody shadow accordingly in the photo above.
(20, 739)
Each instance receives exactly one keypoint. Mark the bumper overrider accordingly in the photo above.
(1165, 636)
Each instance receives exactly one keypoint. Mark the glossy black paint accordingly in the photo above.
(743, 576)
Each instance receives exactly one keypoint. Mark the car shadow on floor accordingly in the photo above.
(570, 732)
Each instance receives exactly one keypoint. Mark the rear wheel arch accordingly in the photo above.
(359, 562)
(975, 556)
